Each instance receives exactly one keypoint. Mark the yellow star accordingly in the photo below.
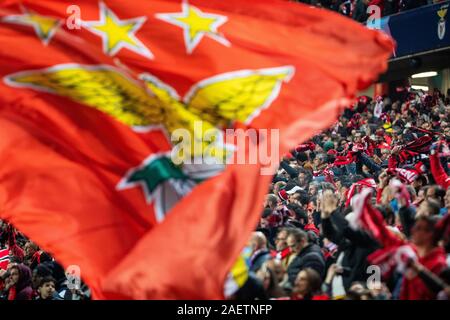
(44, 26)
(117, 34)
(196, 24)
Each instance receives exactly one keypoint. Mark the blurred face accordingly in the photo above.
(343, 193)
(431, 193)
(421, 194)
(310, 210)
(417, 184)
(280, 241)
(264, 223)
(266, 202)
(301, 177)
(294, 198)
(301, 283)
(277, 187)
(426, 126)
(312, 190)
(278, 270)
(422, 234)
(295, 246)
(423, 209)
(253, 244)
(14, 275)
(36, 279)
(29, 249)
(447, 199)
(447, 131)
(269, 204)
(384, 154)
(47, 290)
(317, 161)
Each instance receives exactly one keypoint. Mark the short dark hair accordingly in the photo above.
(431, 222)
(422, 179)
(299, 212)
(357, 177)
(267, 212)
(388, 214)
(47, 280)
(314, 280)
(434, 207)
(301, 156)
(298, 235)
(439, 191)
(304, 197)
(330, 158)
(273, 199)
(288, 230)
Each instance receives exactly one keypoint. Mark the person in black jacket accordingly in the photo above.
(354, 245)
(307, 255)
(46, 289)
(360, 11)
(253, 289)
(260, 252)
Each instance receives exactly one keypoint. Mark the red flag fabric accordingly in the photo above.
(367, 217)
(395, 252)
(364, 184)
(86, 116)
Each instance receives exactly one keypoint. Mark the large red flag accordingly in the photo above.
(86, 116)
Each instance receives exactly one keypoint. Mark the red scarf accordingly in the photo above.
(283, 254)
(36, 257)
(305, 147)
(12, 293)
(364, 183)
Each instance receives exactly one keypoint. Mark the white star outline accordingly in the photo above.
(190, 45)
(138, 23)
(18, 19)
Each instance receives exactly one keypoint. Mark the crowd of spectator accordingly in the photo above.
(357, 9)
(29, 273)
(309, 245)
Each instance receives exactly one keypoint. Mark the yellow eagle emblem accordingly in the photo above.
(216, 101)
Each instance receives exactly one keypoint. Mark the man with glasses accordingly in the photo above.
(283, 253)
(307, 255)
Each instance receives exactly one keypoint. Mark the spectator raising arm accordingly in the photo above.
(437, 170)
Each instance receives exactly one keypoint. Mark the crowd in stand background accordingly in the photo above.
(361, 211)
(28, 273)
(357, 9)
(315, 242)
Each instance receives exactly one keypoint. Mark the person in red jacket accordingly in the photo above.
(429, 255)
(438, 172)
